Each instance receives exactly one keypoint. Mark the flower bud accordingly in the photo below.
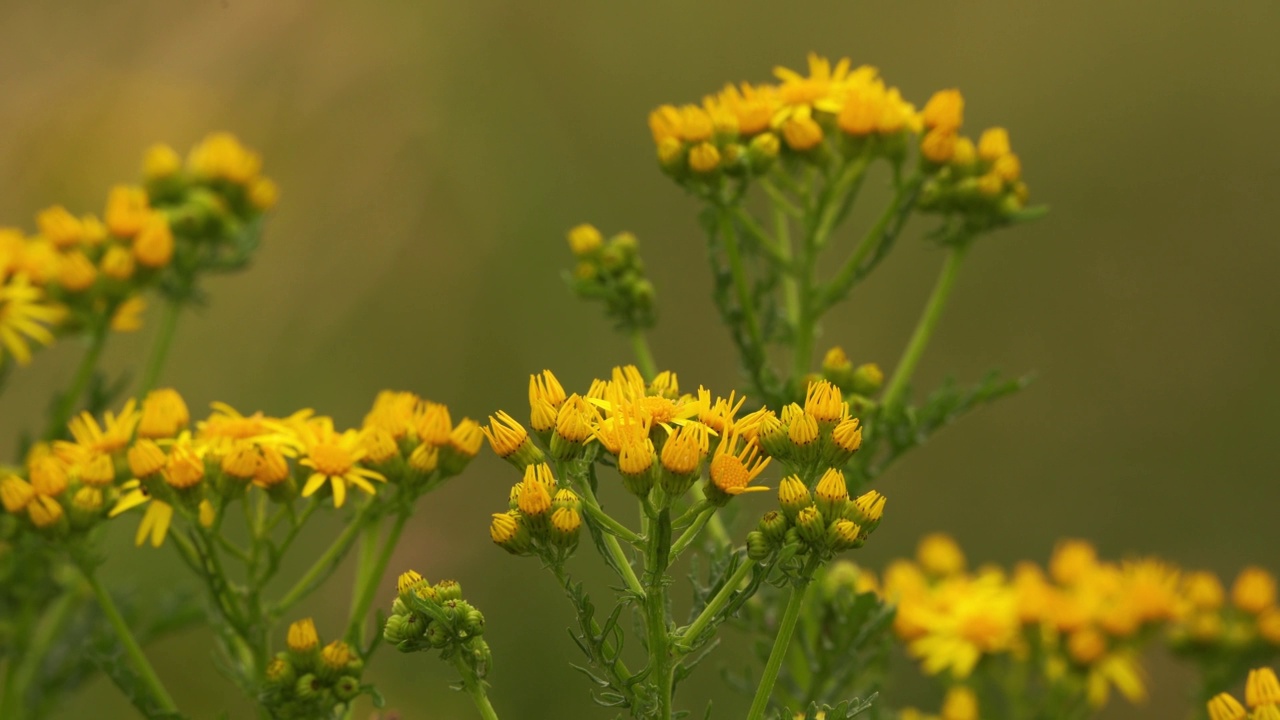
(867, 379)
(832, 494)
(334, 658)
(793, 496)
(510, 532)
(307, 687)
(762, 152)
(15, 493)
(48, 475)
(758, 546)
(585, 240)
(438, 635)
(346, 688)
(1254, 590)
(846, 438)
(408, 584)
(400, 628)
(773, 525)
(86, 507)
(565, 523)
(472, 623)
(868, 509)
(843, 535)
(810, 526)
(153, 245)
(280, 672)
(511, 442)
(447, 590)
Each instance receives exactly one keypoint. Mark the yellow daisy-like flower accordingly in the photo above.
(113, 434)
(818, 87)
(24, 316)
(225, 427)
(334, 459)
(1120, 669)
(732, 470)
(155, 522)
(970, 618)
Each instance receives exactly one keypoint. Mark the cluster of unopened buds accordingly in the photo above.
(436, 617)
(311, 678)
(82, 272)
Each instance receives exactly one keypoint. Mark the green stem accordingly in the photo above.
(644, 356)
(834, 201)
(160, 346)
(717, 604)
(885, 230)
(84, 374)
(627, 572)
(609, 525)
(369, 585)
(691, 534)
(662, 663)
(782, 641)
(141, 665)
(897, 387)
(715, 526)
(22, 672)
(475, 688)
(590, 625)
(325, 565)
(739, 274)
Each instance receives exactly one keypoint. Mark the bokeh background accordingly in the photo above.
(432, 155)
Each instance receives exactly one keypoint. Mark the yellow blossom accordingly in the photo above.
(127, 210)
(60, 227)
(732, 470)
(302, 637)
(164, 414)
(1254, 590)
(15, 493)
(800, 131)
(113, 434)
(24, 316)
(160, 161)
(993, 144)
(153, 245)
(939, 555)
(44, 511)
(333, 458)
(117, 263)
(128, 316)
(583, 240)
(945, 111)
(1262, 688)
(77, 272)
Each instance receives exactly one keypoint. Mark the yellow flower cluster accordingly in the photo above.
(658, 439)
(311, 678)
(611, 271)
(1261, 695)
(973, 179)
(77, 269)
(1211, 621)
(742, 129)
(814, 442)
(148, 454)
(1081, 621)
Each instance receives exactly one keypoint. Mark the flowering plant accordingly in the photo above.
(643, 473)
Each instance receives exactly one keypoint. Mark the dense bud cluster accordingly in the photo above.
(427, 617)
(311, 679)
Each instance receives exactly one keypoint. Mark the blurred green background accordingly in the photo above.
(432, 155)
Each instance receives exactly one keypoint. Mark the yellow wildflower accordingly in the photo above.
(60, 227)
(24, 316)
(732, 470)
(128, 316)
(333, 458)
(113, 434)
(127, 210)
(164, 414)
(153, 245)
